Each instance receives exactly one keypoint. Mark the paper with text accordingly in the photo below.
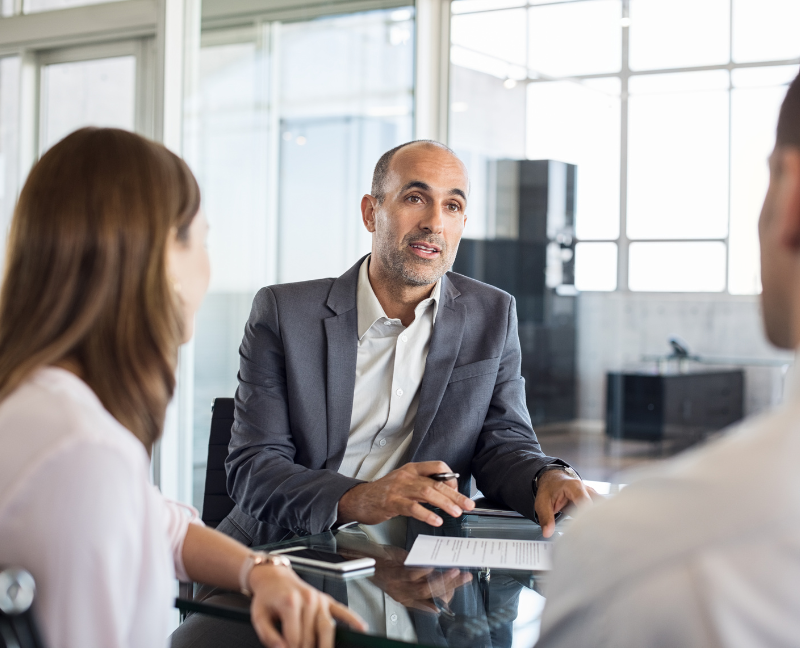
(440, 551)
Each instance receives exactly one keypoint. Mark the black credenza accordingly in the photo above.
(682, 406)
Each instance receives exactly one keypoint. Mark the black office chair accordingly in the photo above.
(18, 627)
(216, 502)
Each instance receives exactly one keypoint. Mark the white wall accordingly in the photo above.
(616, 329)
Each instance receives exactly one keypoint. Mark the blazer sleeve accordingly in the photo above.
(508, 455)
(263, 478)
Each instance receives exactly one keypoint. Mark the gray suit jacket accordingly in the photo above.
(295, 399)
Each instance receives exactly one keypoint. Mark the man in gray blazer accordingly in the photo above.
(353, 391)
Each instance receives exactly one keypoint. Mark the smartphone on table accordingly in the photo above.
(322, 559)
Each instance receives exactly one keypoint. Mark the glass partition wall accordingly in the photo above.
(284, 130)
(667, 107)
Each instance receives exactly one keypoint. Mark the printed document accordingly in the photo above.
(440, 551)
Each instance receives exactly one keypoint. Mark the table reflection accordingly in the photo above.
(457, 608)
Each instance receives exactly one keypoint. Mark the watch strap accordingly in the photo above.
(254, 560)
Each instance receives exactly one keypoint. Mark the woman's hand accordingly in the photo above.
(307, 616)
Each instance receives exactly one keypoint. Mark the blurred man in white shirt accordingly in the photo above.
(704, 550)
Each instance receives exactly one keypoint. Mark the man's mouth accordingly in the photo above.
(425, 250)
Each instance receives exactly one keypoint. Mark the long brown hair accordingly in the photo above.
(86, 278)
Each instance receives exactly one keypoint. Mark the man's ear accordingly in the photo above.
(787, 197)
(368, 205)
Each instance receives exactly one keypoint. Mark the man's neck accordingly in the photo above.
(398, 299)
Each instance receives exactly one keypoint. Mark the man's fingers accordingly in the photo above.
(423, 606)
(596, 497)
(417, 574)
(437, 494)
(445, 584)
(426, 468)
(344, 613)
(441, 495)
(547, 519)
(579, 494)
(422, 514)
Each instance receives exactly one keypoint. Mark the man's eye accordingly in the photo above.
(454, 207)
(414, 198)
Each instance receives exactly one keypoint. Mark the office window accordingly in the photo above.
(98, 92)
(671, 142)
(596, 266)
(755, 102)
(678, 156)
(9, 141)
(35, 6)
(286, 127)
(765, 30)
(578, 122)
(677, 267)
(678, 33)
(559, 35)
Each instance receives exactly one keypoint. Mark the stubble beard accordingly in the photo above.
(411, 270)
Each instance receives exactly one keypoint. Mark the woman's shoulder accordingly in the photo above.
(53, 413)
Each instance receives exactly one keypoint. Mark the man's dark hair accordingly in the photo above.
(789, 119)
(382, 167)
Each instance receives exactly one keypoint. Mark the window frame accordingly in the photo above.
(625, 73)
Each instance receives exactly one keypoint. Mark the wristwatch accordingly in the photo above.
(549, 467)
(254, 560)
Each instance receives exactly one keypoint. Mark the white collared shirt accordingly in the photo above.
(703, 550)
(389, 369)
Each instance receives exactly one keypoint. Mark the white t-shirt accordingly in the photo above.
(703, 550)
(78, 511)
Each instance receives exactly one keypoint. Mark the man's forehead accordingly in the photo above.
(429, 164)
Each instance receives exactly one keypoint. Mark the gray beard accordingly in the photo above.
(406, 273)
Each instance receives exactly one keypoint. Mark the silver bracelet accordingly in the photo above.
(254, 560)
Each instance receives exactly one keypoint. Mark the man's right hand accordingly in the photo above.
(402, 492)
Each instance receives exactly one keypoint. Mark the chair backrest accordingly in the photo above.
(216, 501)
(18, 627)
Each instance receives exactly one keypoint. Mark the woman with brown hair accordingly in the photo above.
(106, 268)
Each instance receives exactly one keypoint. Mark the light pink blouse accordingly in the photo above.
(78, 511)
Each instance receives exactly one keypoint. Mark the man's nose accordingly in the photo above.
(432, 220)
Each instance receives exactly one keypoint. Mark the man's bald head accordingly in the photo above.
(382, 167)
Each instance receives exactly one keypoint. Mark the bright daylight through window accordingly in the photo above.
(278, 104)
(667, 107)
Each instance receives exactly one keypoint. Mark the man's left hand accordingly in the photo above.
(556, 491)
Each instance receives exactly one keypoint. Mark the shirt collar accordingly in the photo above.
(370, 309)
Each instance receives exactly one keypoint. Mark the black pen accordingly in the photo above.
(443, 477)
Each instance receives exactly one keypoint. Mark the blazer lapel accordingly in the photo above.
(341, 332)
(445, 343)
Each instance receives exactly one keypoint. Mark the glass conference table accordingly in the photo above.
(457, 608)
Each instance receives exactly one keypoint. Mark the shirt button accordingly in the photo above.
(399, 392)
(404, 338)
(382, 442)
(393, 618)
(387, 323)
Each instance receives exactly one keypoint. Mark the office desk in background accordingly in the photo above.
(404, 605)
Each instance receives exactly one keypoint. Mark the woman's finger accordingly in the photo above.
(291, 623)
(344, 613)
(326, 626)
(265, 629)
(309, 618)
